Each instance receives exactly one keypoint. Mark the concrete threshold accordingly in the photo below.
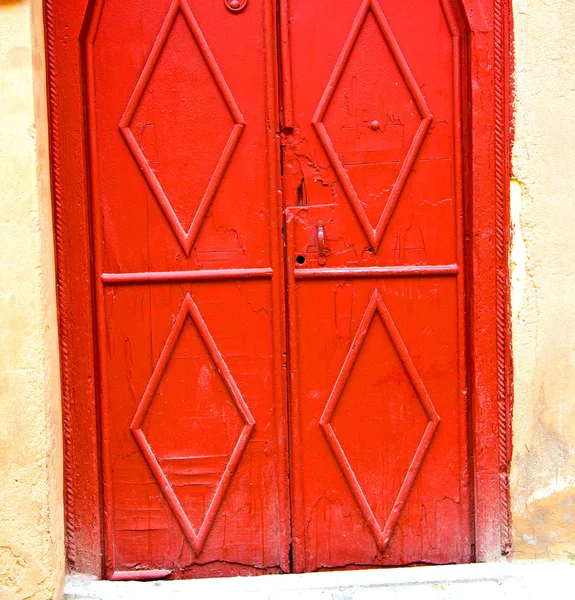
(488, 581)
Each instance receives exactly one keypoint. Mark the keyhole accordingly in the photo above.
(300, 259)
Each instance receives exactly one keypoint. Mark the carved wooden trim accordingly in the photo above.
(374, 234)
(61, 291)
(196, 537)
(502, 172)
(489, 26)
(382, 535)
(179, 7)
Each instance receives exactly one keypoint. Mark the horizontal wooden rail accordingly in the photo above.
(404, 271)
(175, 276)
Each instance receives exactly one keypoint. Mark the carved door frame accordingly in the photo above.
(489, 99)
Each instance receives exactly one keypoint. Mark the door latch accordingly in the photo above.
(323, 251)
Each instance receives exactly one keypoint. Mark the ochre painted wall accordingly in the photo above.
(543, 294)
(543, 259)
(31, 515)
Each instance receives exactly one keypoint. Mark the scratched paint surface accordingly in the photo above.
(379, 418)
(192, 425)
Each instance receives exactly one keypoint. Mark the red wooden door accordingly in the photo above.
(182, 137)
(214, 278)
(373, 171)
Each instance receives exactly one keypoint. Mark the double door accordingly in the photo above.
(277, 204)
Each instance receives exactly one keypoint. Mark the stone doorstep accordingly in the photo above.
(488, 581)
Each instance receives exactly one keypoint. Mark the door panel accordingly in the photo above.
(183, 163)
(183, 140)
(373, 184)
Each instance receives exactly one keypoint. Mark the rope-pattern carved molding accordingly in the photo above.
(56, 166)
(501, 193)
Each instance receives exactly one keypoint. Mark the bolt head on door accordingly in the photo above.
(236, 5)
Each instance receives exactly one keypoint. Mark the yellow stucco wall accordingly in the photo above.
(543, 298)
(543, 471)
(31, 515)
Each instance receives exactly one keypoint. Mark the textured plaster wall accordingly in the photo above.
(31, 515)
(543, 292)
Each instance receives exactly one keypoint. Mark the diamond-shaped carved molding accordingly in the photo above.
(382, 535)
(374, 234)
(195, 538)
(185, 237)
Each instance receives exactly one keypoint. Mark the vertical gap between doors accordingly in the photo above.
(281, 197)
